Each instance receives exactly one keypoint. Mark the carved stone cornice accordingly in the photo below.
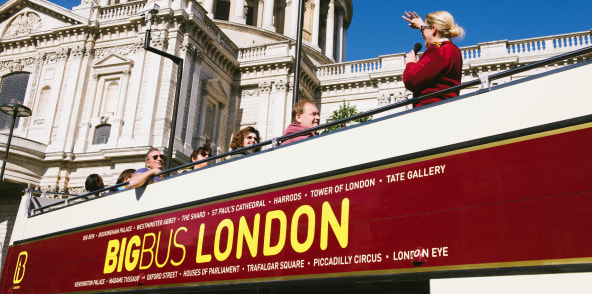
(280, 85)
(18, 64)
(192, 51)
(23, 25)
(264, 87)
(128, 49)
(383, 99)
(59, 55)
(78, 52)
(250, 92)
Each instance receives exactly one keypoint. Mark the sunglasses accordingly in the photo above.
(204, 154)
(422, 28)
(155, 157)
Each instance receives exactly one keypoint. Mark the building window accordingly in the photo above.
(110, 95)
(222, 10)
(102, 133)
(12, 90)
(251, 16)
(210, 121)
(42, 105)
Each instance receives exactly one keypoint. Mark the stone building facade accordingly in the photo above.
(99, 100)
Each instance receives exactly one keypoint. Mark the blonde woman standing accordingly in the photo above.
(440, 66)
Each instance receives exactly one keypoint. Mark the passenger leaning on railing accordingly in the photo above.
(125, 176)
(245, 137)
(154, 163)
(440, 66)
(305, 115)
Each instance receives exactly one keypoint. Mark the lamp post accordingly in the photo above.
(14, 110)
(150, 16)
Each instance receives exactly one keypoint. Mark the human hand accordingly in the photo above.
(414, 20)
(410, 57)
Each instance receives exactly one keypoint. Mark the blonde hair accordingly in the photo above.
(444, 23)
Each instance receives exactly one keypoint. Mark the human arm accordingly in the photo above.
(139, 179)
(414, 20)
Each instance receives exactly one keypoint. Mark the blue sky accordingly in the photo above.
(377, 28)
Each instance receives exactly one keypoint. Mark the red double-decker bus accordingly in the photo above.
(480, 188)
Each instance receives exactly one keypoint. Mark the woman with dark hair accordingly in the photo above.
(125, 176)
(93, 182)
(246, 137)
(440, 66)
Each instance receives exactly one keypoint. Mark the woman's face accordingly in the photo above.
(250, 139)
(429, 34)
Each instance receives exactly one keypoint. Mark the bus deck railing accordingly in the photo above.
(275, 142)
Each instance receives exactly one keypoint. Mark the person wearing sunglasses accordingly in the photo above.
(440, 66)
(199, 154)
(245, 137)
(154, 163)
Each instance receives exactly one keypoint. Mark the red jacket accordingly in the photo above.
(438, 68)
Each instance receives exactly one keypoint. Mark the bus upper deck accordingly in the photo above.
(497, 180)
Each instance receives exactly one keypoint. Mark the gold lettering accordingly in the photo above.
(19, 272)
(121, 255)
(199, 258)
(223, 255)
(132, 256)
(309, 212)
(168, 249)
(111, 257)
(269, 250)
(149, 250)
(252, 240)
(177, 263)
(328, 219)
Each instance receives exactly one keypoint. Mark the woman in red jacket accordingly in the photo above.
(440, 66)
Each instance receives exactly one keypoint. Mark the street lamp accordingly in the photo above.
(150, 15)
(14, 110)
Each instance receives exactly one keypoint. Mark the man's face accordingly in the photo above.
(155, 159)
(310, 116)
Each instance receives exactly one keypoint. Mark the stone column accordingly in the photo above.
(268, 15)
(329, 38)
(343, 45)
(293, 19)
(194, 103)
(339, 37)
(316, 22)
(202, 113)
(209, 7)
(239, 12)
(260, 13)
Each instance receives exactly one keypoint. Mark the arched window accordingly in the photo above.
(110, 97)
(43, 103)
(12, 90)
(102, 133)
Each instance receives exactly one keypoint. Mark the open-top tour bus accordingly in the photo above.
(492, 183)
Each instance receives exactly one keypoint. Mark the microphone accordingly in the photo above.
(416, 48)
